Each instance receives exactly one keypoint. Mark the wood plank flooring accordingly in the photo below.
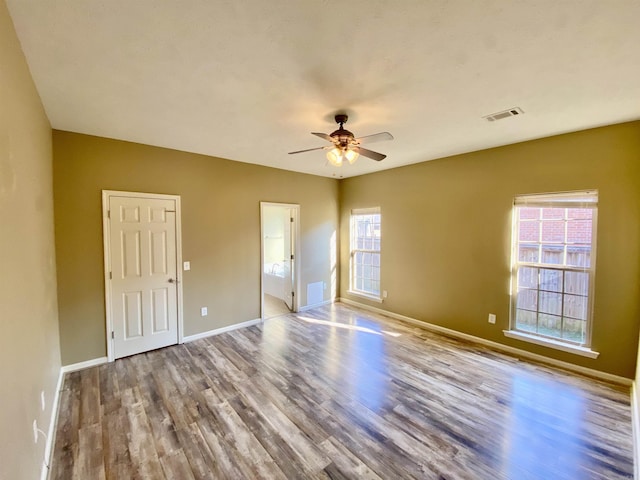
(273, 306)
(338, 393)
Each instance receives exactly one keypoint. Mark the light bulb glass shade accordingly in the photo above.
(335, 157)
(351, 156)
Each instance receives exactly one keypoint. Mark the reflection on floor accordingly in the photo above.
(274, 307)
(338, 393)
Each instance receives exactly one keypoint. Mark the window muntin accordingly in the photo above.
(365, 251)
(553, 265)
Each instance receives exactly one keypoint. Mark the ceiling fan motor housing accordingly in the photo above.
(342, 136)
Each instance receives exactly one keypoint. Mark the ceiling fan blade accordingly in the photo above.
(376, 137)
(323, 136)
(307, 150)
(370, 154)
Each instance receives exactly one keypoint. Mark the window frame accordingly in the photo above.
(353, 250)
(578, 199)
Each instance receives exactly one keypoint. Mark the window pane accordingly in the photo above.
(526, 320)
(553, 213)
(527, 300)
(553, 232)
(366, 269)
(577, 283)
(551, 280)
(528, 253)
(579, 256)
(580, 213)
(550, 325)
(579, 231)
(574, 330)
(575, 307)
(552, 254)
(550, 303)
(528, 277)
(529, 232)
(529, 213)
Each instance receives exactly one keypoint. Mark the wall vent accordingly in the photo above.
(512, 112)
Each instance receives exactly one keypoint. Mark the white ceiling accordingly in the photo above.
(249, 80)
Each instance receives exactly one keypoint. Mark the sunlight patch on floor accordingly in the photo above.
(347, 326)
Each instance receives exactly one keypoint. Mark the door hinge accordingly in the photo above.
(292, 256)
(112, 335)
(108, 213)
(293, 294)
(110, 275)
(291, 219)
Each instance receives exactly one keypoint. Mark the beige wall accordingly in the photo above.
(29, 347)
(220, 230)
(446, 235)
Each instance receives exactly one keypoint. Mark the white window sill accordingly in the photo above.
(373, 298)
(547, 342)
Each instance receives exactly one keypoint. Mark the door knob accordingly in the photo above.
(171, 280)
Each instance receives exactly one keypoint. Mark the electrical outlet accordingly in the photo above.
(204, 312)
(492, 318)
(35, 431)
(43, 404)
(384, 294)
(186, 266)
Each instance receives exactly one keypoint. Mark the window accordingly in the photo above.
(553, 266)
(365, 252)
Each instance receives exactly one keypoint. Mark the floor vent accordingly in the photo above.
(512, 112)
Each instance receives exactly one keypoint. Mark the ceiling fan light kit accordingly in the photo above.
(336, 156)
(346, 146)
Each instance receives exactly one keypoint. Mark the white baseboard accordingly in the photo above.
(218, 331)
(315, 305)
(608, 377)
(635, 423)
(51, 433)
(74, 367)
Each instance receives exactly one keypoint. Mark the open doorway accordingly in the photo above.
(279, 258)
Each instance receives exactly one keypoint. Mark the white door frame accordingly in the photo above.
(296, 253)
(106, 195)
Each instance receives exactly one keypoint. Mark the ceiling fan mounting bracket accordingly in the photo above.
(341, 118)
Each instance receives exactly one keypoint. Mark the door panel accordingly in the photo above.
(160, 310)
(132, 314)
(144, 273)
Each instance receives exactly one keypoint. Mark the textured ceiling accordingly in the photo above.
(249, 80)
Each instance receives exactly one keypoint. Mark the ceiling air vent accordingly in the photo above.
(512, 112)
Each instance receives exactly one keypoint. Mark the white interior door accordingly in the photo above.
(142, 242)
(289, 259)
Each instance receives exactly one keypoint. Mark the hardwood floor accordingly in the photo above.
(338, 393)
(274, 307)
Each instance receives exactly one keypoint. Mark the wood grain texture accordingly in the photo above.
(338, 393)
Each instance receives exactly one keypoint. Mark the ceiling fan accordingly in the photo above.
(345, 146)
